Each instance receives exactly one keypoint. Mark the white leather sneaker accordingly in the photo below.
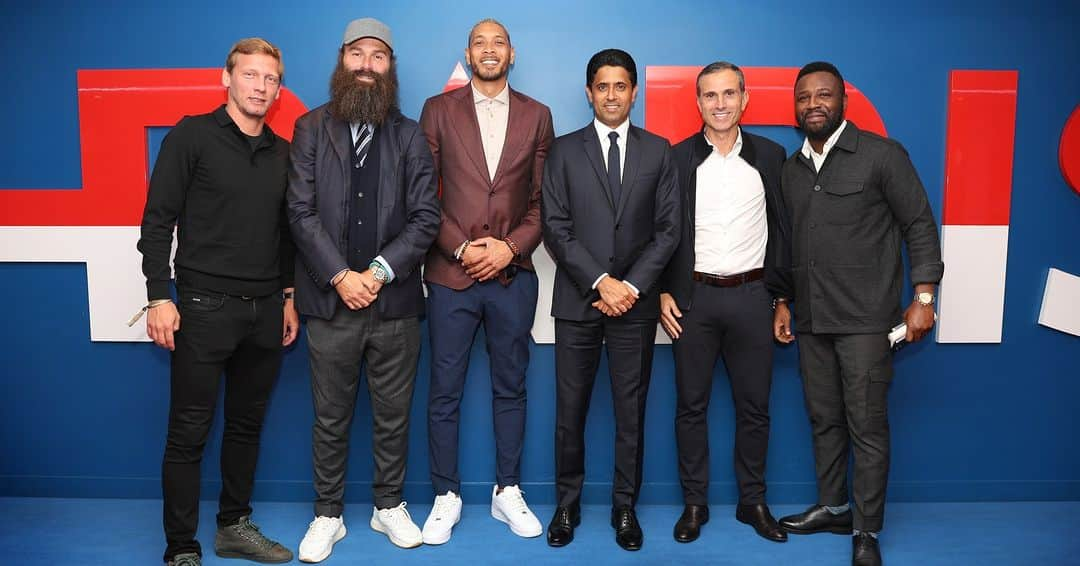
(510, 508)
(445, 513)
(397, 525)
(321, 535)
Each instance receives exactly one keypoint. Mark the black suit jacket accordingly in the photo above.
(768, 158)
(589, 233)
(319, 196)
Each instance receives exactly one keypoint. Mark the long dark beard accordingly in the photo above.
(353, 101)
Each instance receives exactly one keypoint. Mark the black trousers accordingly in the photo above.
(242, 339)
(733, 323)
(577, 357)
(846, 381)
(389, 350)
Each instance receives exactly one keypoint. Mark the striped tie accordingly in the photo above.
(363, 142)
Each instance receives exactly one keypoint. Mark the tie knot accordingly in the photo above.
(613, 136)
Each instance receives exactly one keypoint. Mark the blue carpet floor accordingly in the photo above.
(40, 531)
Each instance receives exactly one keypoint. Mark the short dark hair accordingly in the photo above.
(468, 40)
(717, 67)
(611, 58)
(821, 67)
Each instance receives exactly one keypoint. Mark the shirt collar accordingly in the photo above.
(829, 143)
(224, 120)
(735, 149)
(503, 97)
(603, 130)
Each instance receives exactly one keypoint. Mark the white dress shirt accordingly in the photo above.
(605, 143)
(730, 225)
(492, 115)
(819, 158)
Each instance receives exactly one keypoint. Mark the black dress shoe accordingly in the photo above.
(865, 551)
(689, 524)
(561, 529)
(817, 519)
(627, 531)
(758, 516)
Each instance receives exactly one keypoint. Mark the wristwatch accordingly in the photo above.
(379, 272)
(925, 299)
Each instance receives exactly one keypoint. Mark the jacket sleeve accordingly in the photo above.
(317, 248)
(406, 251)
(667, 228)
(558, 226)
(527, 235)
(450, 235)
(911, 209)
(164, 202)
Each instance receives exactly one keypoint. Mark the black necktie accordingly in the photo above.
(613, 174)
(363, 142)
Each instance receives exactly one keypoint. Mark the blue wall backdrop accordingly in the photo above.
(970, 422)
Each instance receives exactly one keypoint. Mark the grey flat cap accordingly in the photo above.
(367, 27)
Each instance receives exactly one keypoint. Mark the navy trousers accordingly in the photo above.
(507, 314)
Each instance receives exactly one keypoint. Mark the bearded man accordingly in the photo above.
(363, 212)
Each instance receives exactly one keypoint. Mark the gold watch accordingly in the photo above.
(925, 299)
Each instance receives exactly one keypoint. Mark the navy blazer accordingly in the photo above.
(318, 205)
(588, 233)
(768, 158)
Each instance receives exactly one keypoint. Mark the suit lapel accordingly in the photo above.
(592, 150)
(630, 168)
(341, 141)
(468, 130)
(515, 136)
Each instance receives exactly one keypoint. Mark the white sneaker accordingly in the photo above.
(510, 508)
(445, 513)
(321, 535)
(397, 525)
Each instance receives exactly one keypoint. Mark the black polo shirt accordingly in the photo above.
(226, 197)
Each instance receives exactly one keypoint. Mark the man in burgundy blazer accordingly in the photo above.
(489, 143)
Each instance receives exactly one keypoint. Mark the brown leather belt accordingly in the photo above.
(729, 280)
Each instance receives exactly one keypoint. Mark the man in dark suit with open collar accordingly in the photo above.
(363, 211)
(489, 143)
(717, 298)
(612, 218)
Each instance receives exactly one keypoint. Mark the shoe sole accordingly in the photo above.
(833, 530)
(500, 516)
(340, 534)
(441, 540)
(227, 554)
(377, 527)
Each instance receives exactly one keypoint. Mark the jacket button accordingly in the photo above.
(811, 263)
(817, 187)
(486, 227)
(611, 258)
(813, 225)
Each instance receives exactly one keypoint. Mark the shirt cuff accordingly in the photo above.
(597, 282)
(386, 266)
(330, 283)
(632, 288)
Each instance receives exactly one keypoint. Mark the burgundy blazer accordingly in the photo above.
(474, 206)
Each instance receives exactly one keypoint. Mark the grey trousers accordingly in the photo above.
(846, 381)
(389, 349)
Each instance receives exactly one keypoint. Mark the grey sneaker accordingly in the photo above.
(243, 540)
(185, 559)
